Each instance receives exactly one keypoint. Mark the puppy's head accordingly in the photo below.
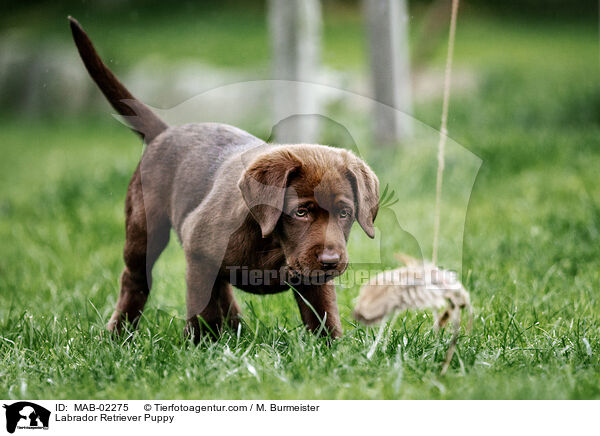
(307, 197)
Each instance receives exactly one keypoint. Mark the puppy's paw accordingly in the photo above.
(119, 323)
(115, 324)
(192, 330)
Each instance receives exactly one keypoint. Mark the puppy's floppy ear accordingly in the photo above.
(366, 192)
(263, 186)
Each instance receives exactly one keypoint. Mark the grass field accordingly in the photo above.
(531, 248)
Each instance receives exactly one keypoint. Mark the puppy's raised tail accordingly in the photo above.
(139, 116)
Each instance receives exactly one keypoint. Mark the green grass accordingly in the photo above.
(531, 255)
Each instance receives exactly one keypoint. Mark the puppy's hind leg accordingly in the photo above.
(147, 234)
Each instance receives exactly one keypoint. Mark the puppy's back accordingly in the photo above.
(178, 168)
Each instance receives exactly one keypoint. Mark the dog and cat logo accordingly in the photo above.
(26, 415)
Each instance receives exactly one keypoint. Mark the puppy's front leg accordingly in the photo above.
(210, 298)
(323, 300)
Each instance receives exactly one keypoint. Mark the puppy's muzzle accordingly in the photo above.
(328, 259)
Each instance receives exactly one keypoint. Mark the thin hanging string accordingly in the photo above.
(443, 133)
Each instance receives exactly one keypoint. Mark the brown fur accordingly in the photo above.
(236, 203)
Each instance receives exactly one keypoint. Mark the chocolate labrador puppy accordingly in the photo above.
(263, 217)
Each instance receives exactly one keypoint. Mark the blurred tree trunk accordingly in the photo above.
(295, 27)
(387, 30)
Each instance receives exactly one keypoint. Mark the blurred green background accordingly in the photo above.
(525, 99)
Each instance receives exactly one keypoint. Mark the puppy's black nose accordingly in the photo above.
(328, 258)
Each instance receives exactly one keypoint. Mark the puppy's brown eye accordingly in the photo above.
(301, 213)
(344, 213)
